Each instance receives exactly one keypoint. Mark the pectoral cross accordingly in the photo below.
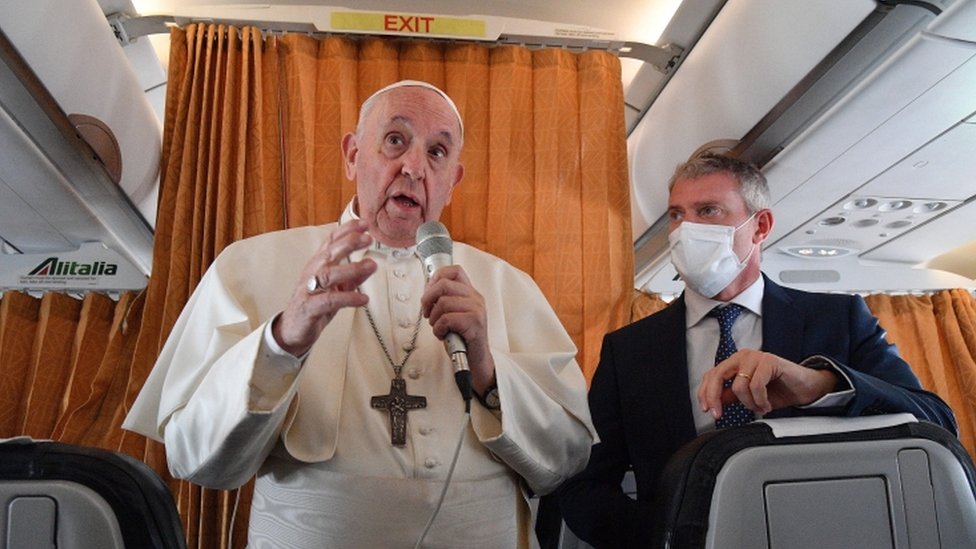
(398, 403)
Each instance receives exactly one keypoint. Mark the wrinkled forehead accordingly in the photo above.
(372, 100)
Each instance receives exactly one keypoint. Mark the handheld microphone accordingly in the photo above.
(435, 248)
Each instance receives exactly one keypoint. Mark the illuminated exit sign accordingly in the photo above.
(408, 24)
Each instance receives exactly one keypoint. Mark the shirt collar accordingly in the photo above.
(377, 247)
(697, 305)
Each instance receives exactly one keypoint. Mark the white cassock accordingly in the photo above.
(228, 407)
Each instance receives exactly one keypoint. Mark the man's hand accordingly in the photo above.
(311, 309)
(762, 382)
(452, 304)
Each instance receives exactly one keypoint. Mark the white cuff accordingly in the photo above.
(275, 372)
(837, 398)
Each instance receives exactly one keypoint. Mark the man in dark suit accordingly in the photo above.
(665, 379)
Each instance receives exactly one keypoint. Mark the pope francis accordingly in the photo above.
(314, 359)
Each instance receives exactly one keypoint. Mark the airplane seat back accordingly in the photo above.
(72, 497)
(819, 482)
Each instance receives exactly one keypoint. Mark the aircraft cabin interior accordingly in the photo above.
(139, 139)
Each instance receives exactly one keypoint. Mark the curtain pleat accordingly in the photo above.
(468, 74)
(605, 201)
(57, 353)
(97, 419)
(508, 200)
(317, 104)
(92, 335)
(19, 315)
(49, 374)
(558, 214)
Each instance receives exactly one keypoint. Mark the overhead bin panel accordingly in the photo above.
(78, 59)
(931, 171)
(957, 22)
(27, 185)
(57, 63)
(892, 136)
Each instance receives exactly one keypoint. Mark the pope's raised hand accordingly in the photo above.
(329, 282)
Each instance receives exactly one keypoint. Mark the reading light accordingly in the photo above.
(861, 204)
(895, 205)
(831, 221)
(930, 207)
(818, 252)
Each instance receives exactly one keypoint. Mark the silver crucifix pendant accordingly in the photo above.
(397, 402)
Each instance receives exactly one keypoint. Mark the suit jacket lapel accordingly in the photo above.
(675, 359)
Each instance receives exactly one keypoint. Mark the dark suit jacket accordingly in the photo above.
(641, 408)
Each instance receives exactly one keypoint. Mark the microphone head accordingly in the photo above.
(433, 238)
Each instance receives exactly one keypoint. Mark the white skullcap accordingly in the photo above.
(417, 84)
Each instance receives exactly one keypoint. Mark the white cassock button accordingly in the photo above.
(426, 430)
(430, 463)
(401, 297)
(404, 323)
(399, 273)
(413, 373)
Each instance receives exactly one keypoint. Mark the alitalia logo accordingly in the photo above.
(52, 267)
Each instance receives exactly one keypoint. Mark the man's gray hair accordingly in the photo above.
(371, 101)
(752, 183)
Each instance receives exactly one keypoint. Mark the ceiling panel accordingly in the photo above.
(932, 172)
(913, 100)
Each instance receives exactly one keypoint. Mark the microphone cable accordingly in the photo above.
(450, 473)
(233, 517)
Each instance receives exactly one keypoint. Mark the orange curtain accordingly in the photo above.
(54, 364)
(645, 304)
(935, 333)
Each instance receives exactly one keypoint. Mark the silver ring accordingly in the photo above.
(313, 285)
(747, 376)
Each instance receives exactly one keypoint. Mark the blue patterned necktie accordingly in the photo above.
(735, 413)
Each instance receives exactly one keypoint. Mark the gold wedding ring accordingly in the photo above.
(747, 376)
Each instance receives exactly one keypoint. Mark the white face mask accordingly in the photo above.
(704, 257)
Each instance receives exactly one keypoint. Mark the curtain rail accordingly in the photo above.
(663, 58)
